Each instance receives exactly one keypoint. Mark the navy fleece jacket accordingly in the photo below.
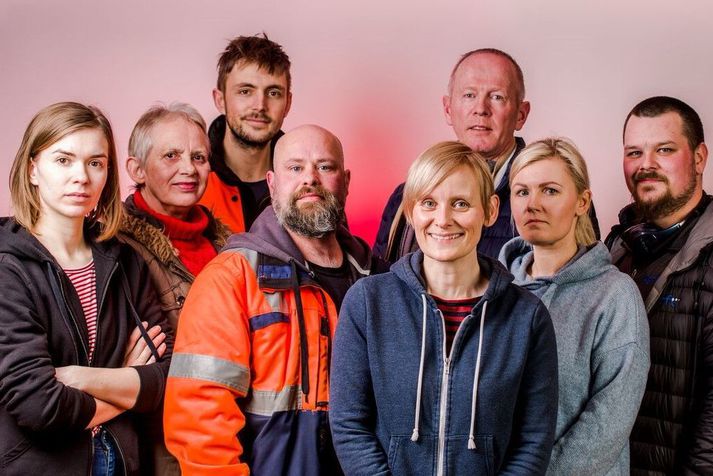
(376, 369)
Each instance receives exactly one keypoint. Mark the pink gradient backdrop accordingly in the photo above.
(372, 72)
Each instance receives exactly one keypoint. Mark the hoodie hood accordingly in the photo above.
(17, 241)
(268, 237)
(587, 263)
(410, 270)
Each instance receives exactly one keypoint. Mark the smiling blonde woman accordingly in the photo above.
(442, 365)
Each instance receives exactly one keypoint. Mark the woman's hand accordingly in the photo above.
(138, 352)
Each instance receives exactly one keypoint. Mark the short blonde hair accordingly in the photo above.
(48, 126)
(438, 162)
(566, 151)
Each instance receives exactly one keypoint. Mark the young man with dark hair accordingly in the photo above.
(664, 241)
(253, 96)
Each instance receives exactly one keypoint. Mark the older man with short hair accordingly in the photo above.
(485, 105)
(255, 338)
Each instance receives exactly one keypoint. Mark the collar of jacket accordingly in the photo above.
(216, 134)
(505, 182)
(148, 231)
(17, 241)
(410, 270)
(699, 238)
(277, 250)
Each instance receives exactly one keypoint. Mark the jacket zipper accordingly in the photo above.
(100, 306)
(324, 331)
(74, 321)
(442, 412)
(118, 448)
(102, 296)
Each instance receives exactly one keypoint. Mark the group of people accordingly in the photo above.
(224, 320)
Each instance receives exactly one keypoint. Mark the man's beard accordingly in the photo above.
(314, 219)
(244, 139)
(665, 204)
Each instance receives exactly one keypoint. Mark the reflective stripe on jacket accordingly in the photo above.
(251, 319)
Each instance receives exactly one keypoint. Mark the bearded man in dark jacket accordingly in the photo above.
(665, 242)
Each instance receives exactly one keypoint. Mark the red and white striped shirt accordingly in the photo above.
(84, 280)
(454, 313)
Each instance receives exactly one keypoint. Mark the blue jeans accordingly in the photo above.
(106, 461)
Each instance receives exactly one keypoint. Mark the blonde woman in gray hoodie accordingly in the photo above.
(598, 315)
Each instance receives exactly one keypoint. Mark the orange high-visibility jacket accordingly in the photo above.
(224, 201)
(223, 192)
(248, 388)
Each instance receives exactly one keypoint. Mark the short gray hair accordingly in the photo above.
(140, 141)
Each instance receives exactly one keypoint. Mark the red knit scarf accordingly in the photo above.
(194, 249)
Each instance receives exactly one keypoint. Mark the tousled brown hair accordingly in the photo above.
(257, 49)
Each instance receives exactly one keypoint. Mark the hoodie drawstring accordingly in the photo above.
(471, 435)
(137, 319)
(414, 435)
(304, 354)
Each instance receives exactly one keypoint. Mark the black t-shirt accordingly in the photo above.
(335, 281)
(256, 196)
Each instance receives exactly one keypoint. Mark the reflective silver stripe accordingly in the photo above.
(213, 369)
(266, 402)
(274, 300)
(251, 256)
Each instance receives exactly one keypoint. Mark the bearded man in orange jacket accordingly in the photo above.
(248, 389)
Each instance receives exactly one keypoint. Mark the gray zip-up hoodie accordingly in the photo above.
(603, 354)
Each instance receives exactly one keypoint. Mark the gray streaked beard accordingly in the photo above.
(313, 220)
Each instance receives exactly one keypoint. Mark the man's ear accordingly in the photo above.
(522, 112)
(135, 171)
(700, 157)
(219, 100)
(447, 109)
(347, 180)
(270, 177)
(289, 103)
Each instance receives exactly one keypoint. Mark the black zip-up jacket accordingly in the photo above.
(673, 433)
(42, 326)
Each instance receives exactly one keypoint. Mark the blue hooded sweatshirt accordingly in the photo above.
(400, 405)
